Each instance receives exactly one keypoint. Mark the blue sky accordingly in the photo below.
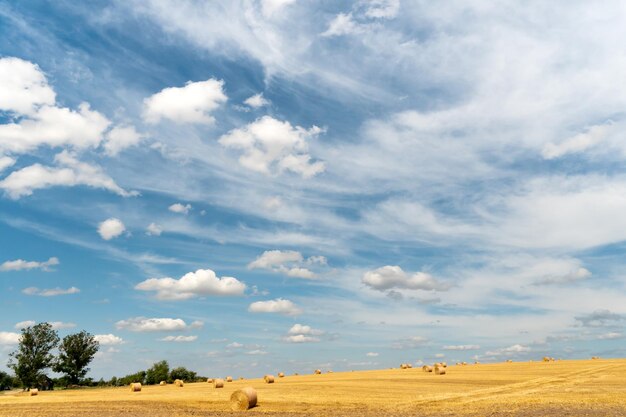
(283, 185)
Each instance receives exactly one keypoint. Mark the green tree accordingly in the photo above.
(182, 373)
(6, 381)
(75, 353)
(158, 372)
(136, 377)
(33, 355)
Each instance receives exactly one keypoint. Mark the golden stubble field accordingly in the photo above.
(576, 388)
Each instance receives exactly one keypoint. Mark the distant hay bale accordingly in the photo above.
(281, 375)
(440, 370)
(269, 379)
(296, 374)
(408, 365)
(595, 357)
(209, 380)
(476, 363)
(241, 378)
(135, 387)
(445, 365)
(33, 391)
(179, 383)
(546, 359)
(509, 361)
(243, 399)
(318, 371)
(229, 379)
(403, 366)
(162, 383)
(463, 363)
(427, 368)
(218, 383)
(330, 371)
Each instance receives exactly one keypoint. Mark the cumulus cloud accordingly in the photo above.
(278, 305)
(108, 339)
(111, 228)
(60, 325)
(8, 338)
(301, 338)
(461, 347)
(179, 339)
(69, 171)
(600, 318)
(180, 208)
(24, 86)
(270, 146)
(143, 324)
(120, 138)
(509, 351)
(290, 263)
(371, 354)
(389, 277)
(304, 329)
(192, 103)
(154, 229)
(22, 265)
(256, 101)
(51, 292)
(193, 284)
(24, 324)
(6, 162)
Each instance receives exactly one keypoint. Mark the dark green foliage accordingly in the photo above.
(158, 372)
(75, 353)
(128, 379)
(33, 355)
(182, 373)
(6, 381)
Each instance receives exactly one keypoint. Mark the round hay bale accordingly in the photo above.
(218, 383)
(427, 368)
(296, 374)
(440, 370)
(229, 379)
(281, 375)
(33, 391)
(243, 399)
(509, 361)
(269, 379)
(476, 363)
(409, 366)
(162, 383)
(318, 371)
(444, 364)
(403, 366)
(463, 363)
(546, 359)
(179, 383)
(135, 387)
(241, 378)
(209, 380)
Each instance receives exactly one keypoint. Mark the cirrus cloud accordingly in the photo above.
(143, 324)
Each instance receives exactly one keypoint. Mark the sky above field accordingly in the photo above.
(259, 185)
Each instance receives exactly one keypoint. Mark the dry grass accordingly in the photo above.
(598, 387)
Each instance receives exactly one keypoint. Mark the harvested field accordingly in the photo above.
(563, 388)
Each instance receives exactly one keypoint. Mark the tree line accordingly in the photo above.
(40, 349)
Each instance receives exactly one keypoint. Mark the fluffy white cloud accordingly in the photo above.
(301, 338)
(303, 329)
(578, 143)
(22, 265)
(371, 354)
(389, 277)
(180, 208)
(120, 138)
(111, 228)
(278, 305)
(509, 351)
(68, 172)
(24, 86)
(154, 229)
(610, 336)
(51, 292)
(271, 146)
(234, 345)
(287, 262)
(256, 101)
(143, 324)
(24, 324)
(6, 162)
(342, 24)
(461, 347)
(108, 339)
(270, 7)
(192, 103)
(179, 339)
(8, 338)
(193, 284)
(60, 325)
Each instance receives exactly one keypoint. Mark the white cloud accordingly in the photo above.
(389, 277)
(179, 339)
(278, 305)
(8, 338)
(24, 324)
(193, 284)
(108, 339)
(192, 103)
(256, 352)
(111, 228)
(371, 354)
(6, 162)
(303, 329)
(382, 9)
(51, 292)
(120, 138)
(68, 172)
(342, 24)
(461, 347)
(509, 351)
(409, 343)
(270, 146)
(610, 336)
(24, 86)
(578, 143)
(256, 101)
(21, 265)
(143, 324)
(234, 345)
(60, 325)
(179, 208)
(154, 229)
(287, 262)
(301, 338)
(270, 7)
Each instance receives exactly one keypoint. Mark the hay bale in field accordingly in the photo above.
(476, 363)
(135, 387)
(546, 359)
(241, 378)
(281, 375)
(408, 365)
(218, 383)
(162, 383)
(209, 380)
(179, 383)
(33, 391)
(296, 374)
(463, 363)
(330, 371)
(229, 379)
(427, 368)
(440, 370)
(595, 357)
(318, 371)
(269, 379)
(444, 364)
(243, 399)
(403, 366)
(509, 361)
